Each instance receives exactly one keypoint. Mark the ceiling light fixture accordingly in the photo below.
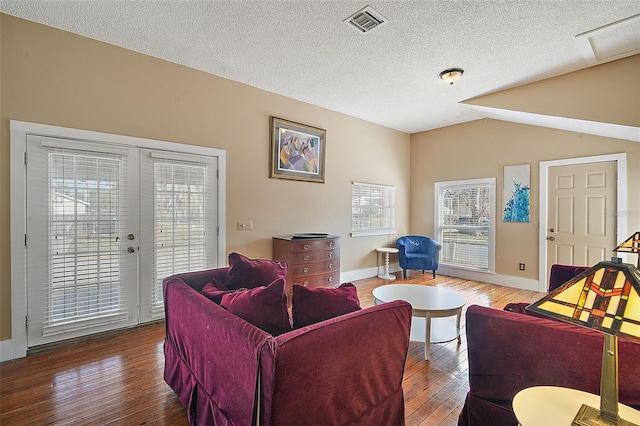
(451, 75)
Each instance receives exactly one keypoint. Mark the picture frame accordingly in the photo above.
(516, 193)
(297, 151)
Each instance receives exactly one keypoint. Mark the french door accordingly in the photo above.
(105, 225)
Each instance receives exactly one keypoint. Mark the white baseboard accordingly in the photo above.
(361, 274)
(6, 350)
(485, 277)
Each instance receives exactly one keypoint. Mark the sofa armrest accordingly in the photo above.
(345, 370)
(217, 350)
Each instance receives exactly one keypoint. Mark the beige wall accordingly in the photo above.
(606, 93)
(481, 149)
(53, 77)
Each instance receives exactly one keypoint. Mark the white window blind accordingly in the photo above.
(179, 222)
(464, 222)
(83, 285)
(373, 209)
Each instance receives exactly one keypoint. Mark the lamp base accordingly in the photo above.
(589, 416)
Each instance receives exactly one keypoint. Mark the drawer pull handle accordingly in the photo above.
(330, 279)
(331, 266)
(330, 254)
(331, 244)
(306, 247)
(306, 257)
(305, 270)
(306, 284)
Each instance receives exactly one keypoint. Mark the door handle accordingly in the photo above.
(551, 238)
(131, 250)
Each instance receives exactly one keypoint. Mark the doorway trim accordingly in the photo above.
(621, 203)
(18, 147)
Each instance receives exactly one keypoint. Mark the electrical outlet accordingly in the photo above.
(245, 225)
(521, 266)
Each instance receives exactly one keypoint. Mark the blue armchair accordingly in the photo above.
(417, 252)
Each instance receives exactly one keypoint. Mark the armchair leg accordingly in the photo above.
(404, 274)
(434, 273)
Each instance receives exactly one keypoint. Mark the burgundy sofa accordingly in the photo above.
(511, 351)
(345, 370)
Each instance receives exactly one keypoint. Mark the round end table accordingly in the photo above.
(387, 251)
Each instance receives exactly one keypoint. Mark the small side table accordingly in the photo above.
(552, 405)
(387, 251)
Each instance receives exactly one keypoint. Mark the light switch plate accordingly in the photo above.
(245, 225)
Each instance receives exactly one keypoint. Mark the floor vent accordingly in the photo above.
(366, 19)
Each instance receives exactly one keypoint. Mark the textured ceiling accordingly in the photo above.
(303, 49)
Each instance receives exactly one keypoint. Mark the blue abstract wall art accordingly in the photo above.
(516, 194)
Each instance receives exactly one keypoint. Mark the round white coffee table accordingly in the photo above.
(431, 305)
(387, 251)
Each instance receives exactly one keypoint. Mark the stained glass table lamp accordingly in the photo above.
(605, 298)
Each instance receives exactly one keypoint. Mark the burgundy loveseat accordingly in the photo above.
(345, 370)
(511, 350)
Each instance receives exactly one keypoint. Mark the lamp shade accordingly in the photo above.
(630, 245)
(605, 297)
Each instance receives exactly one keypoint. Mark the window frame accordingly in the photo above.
(390, 210)
(491, 183)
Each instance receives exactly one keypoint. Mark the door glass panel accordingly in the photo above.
(84, 248)
(179, 222)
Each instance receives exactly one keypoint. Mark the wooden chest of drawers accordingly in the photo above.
(312, 262)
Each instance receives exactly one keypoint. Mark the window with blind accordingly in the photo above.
(179, 234)
(179, 192)
(79, 208)
(464, 223)
(373, 209)
(84, 261)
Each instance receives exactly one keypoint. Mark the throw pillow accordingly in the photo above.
(251, 273)
(312, 305)
(264, 307)
(215, 290)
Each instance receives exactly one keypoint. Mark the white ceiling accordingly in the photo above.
(302, 49)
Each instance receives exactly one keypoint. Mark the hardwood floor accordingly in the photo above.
(117, 379)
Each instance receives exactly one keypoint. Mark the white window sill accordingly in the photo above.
(373, 232)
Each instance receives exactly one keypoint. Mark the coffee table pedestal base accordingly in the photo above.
(442, 330)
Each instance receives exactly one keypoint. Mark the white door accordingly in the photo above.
(81, 276)
(581, 224)
(105, 224)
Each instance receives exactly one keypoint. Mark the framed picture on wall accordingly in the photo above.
(516, 193)
(297, 151)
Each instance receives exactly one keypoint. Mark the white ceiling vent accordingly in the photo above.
(366, 19)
